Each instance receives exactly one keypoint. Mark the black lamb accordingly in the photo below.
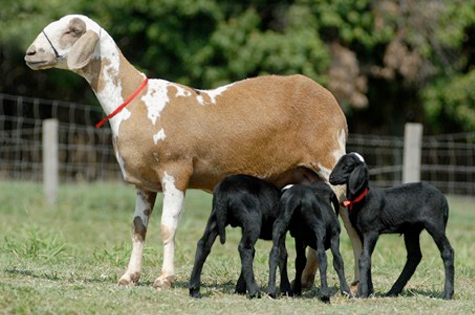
(307, 213)
(252, 204)
(406, 209)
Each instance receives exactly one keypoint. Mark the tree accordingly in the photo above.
(386, 61)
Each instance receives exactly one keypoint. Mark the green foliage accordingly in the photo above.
(452, 99)
(207, 43)
(35, 244)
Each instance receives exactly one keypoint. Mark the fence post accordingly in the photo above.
(411, 171)
(50, 160)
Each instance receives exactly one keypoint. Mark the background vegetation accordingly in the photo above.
(67, 260)
(387, 61)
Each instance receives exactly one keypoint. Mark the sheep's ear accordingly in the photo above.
(357, 181)
(82, 50)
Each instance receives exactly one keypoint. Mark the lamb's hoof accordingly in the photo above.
(164, 282)
(448, 296)
(391, 294)
(256, 294)
(194, 293)
(272, 293)
(325, 295)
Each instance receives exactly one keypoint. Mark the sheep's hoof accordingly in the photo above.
(354, 287)
(164, 282)
(307, 281)
(128, 280)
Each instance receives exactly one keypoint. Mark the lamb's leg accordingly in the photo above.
(356, 243)
(278, 256)
(322, 266)
(338, 264)
(144, 202)
(202, 251)
(247, 252)
(284, 277)
(365, 287)
(447, 254)
(300, 262)
(414, 256)
(173, 201)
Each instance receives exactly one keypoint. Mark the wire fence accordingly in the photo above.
(86, 153)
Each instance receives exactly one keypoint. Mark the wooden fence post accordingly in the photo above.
(50, 160)
(411, 171)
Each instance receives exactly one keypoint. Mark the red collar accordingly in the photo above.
(122, 106)
(350, 203)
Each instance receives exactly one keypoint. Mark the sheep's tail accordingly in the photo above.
(220, 212)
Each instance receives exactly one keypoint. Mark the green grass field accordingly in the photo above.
(67, 259)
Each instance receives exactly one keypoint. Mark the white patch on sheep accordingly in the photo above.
(121, 162)
(159, 136)
(156, 99)
(180, 91)
(338, 153)
(212, 94)
(173, 201)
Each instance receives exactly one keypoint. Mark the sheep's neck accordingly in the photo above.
(112, 78)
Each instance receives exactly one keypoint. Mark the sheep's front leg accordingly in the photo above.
(356, 243)
(144, 202)
(173, 201)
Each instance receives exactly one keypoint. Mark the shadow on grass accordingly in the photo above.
(54, 276)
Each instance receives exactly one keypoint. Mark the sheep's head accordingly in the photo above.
(68, 43)
(351, 170)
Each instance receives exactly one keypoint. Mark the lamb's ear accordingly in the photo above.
(82, 50)
(357, 181)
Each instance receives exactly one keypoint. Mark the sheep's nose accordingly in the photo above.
(31, 50)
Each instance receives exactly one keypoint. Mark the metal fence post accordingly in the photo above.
(411, 171)
(50, 160)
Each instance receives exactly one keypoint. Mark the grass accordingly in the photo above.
(66, 259)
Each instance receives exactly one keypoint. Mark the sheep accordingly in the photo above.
(307, 213)
(406, 209)
(252, 204)
(168, 137)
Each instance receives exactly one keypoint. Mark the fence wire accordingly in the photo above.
(86, 153)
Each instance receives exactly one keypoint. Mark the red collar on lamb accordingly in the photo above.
(122, 106)
(350, 203)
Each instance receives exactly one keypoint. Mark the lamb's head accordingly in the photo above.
(351, 170)
(68, 43)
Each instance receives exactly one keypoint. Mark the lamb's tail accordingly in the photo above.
(336, 204)
(220, 212)
(290, 205)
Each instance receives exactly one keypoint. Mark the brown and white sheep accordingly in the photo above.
(170, 137)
